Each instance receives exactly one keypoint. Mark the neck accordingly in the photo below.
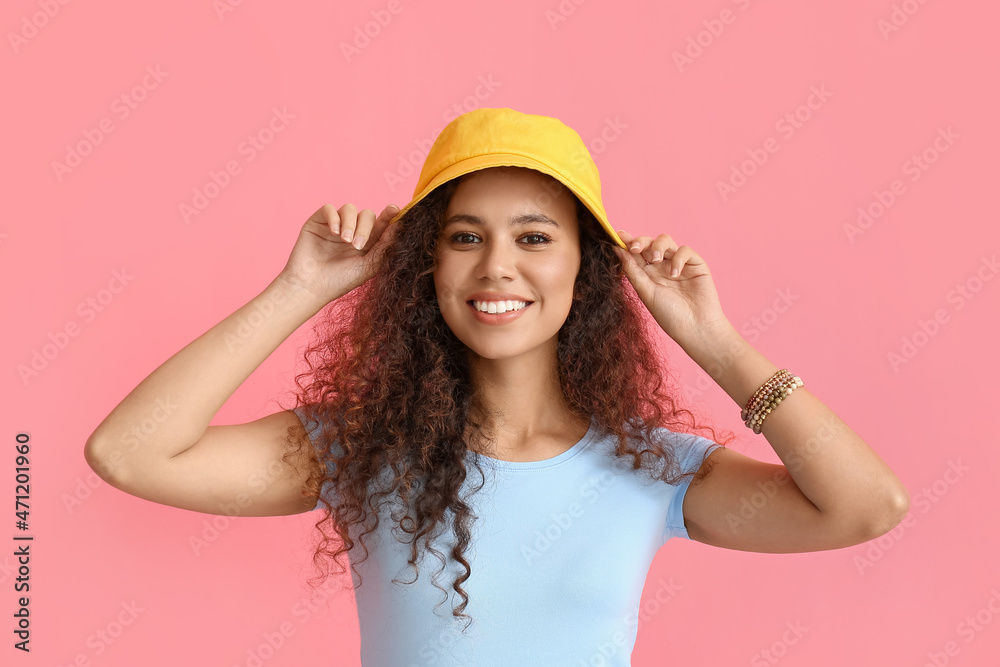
(522, 399)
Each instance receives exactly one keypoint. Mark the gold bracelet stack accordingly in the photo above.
(767, 397)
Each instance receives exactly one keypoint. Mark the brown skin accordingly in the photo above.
(514, 364)
(832, 491)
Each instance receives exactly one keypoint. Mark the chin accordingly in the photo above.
(494, 353)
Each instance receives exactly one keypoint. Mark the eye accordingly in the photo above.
(461, 235)
(461, 238)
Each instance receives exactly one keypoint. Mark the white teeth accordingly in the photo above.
(499, 306)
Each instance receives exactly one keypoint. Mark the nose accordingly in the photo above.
(496, 261)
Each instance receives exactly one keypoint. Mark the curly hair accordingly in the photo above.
(391, 390)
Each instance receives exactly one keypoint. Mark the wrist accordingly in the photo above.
(294, 296)
(711, 340)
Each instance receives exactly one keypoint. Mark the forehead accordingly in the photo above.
(506, 192)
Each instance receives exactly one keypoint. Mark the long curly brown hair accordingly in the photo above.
(391, 390)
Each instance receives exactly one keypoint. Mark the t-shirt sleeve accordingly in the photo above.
(691, 451)
(313, 430)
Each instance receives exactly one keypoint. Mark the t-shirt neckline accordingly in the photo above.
(580, 445)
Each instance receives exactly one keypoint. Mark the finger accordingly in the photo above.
(680, 258)
(327, 216)
(640, 246)
(348, 221)
(383, 222)
(662, 247)
(633, 271)
(366, 220)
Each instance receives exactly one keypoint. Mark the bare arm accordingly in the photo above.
(833, 490)
(157, 443)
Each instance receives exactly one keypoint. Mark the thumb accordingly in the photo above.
(385, 217)
(384, 224)
(635, 274)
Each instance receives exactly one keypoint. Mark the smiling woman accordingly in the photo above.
(484, 388)
(492, 250)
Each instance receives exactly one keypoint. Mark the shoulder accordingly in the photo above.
(686, 451)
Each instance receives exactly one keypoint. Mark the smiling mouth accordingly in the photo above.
(472, 305)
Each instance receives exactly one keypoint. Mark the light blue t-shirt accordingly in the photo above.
(559, 555)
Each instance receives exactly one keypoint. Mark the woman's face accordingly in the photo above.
(512, 232)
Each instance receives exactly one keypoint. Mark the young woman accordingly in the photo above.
(486, 402)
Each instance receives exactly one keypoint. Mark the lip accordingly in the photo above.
(497, 318)
(496, 296)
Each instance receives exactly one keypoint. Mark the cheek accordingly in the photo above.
(445, 287)
(561, 276)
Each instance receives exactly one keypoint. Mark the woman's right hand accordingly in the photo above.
(338, 249)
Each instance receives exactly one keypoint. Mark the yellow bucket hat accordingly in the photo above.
(488, 137)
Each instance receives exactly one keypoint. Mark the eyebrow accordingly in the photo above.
(522, 219)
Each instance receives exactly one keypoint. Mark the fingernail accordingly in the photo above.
(635, 246)
(359, 242)
(674, 272)
(347, 235)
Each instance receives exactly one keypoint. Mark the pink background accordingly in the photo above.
(671, 133)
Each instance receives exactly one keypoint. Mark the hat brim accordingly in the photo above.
(479, 162)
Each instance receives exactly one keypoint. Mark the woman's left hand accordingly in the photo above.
(686, 306)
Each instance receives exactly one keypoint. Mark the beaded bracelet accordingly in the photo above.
(756, 418)
(776, 389)
(762, 391)
(767, 398)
